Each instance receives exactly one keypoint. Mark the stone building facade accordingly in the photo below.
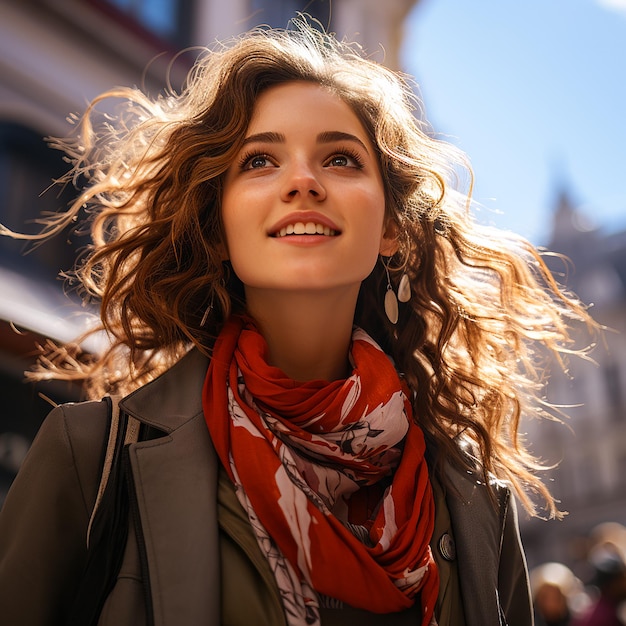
(589, 447)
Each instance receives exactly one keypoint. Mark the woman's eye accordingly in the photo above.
(258, 161)
(339, 161)
(344, 160)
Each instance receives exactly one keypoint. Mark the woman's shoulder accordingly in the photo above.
(82, 427)
(465, 478)
(76, 431)
(77, 423)
(63, 465)
(174, 397)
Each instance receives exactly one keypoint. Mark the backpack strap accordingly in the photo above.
(131, 435)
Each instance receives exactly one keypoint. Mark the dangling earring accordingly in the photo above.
(391, 302)
(404, 289)
(223, 280)
(208, 310)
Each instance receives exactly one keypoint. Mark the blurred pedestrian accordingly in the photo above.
(553, 586)
(609, 579)
(610, 534)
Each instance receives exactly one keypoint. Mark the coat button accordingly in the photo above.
(447, 549)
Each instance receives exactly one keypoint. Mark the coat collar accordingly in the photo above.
(173, 398)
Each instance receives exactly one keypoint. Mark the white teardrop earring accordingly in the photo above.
(391, 302)
(404, 289)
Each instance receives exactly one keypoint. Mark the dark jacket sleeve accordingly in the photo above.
(513, 587)
(43, 521)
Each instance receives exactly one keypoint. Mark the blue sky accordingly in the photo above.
(534, 91)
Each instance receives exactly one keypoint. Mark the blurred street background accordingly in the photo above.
(533, 91)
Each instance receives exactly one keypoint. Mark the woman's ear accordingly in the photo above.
(389, 240)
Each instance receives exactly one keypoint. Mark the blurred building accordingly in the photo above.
(590, 447)
(54, 58)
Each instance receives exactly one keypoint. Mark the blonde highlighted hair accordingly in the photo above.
(484, 310)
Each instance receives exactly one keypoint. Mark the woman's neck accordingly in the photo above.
(308, 334)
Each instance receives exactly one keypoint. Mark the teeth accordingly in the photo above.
(310, 228)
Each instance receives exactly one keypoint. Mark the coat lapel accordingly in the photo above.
(176, 488)
(175, 479)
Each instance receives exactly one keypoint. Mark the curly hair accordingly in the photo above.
(484, 315)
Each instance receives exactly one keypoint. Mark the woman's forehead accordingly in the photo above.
(303, 104)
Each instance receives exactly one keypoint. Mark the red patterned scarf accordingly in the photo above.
(331, 474)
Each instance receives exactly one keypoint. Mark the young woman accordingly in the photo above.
(327, 360)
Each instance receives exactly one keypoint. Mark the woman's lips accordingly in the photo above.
(306, 228)
(305, 223)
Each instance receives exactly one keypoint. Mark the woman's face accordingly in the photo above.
(303, 204)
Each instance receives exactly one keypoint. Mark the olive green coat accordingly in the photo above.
(43, 523)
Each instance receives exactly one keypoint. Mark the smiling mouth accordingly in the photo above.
(308, 228)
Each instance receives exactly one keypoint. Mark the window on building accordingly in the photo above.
(27, 170)
(168, 20)
(277, 13)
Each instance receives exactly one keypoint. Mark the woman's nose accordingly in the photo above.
(301, 182)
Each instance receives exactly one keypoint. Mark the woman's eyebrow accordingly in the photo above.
(329, 136)
(267, 137)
